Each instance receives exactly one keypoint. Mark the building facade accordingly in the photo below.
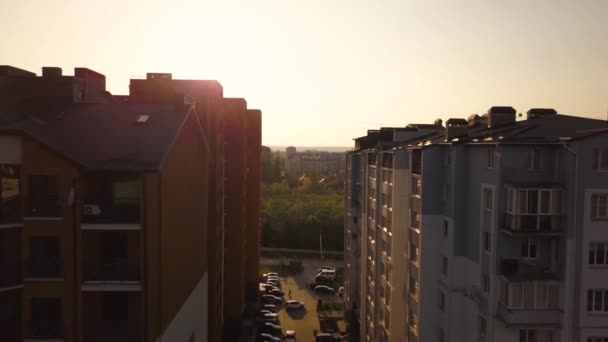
(312, 162)
(493, 234)
(113, 208)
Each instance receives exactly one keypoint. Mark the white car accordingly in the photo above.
(271, 274)
(290, 336)
(327, 268)
(272, 278)
(268, 337)
(293, 304)
(341, 291)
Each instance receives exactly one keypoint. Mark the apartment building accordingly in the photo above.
(113, 208)
(312, 162)
(494, 233)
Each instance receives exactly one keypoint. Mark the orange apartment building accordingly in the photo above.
(112, 225)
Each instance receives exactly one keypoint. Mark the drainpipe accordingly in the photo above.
(570, 246)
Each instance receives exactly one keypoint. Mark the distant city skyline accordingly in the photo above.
(325, 72)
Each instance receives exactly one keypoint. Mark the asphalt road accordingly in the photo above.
(303, 321)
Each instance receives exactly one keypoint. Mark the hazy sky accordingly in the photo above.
(324, 71)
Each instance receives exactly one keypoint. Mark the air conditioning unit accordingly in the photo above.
(92, 210)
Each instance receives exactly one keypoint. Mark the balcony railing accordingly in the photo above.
(110, 213)
(527, 317)
(112, 330)
(113, 270)
(531, 224)
(10, 275)
(44, 329)
(45, 267)
(10, 330)
(45, 209)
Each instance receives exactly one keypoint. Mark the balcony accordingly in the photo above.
(45, 267)
(10, 276)
(10, 330)
(48, 210)
(104, 216)
(112, 274)
(531, 225)
(44, 330)
(517, 317)
(112, 330)
(517, 270)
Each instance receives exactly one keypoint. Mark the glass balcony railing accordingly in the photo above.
(110, 213)
(10, 274)
(45, 267)
(44, 329)
(113, 270)
(527, 223)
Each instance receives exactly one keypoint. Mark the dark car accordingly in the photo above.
(270, 328)
(324, 289)
(276, 292)
(267, 298)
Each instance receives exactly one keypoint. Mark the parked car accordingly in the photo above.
(270, 328)
(293, 304)
(268, 287)
(274, 283)
(269, 307)
(325, 337)
(323, 280)
(273, 278)
(268, 317)
(268, 298)
(263, 312)
(276, 292)
(324, 289)
(327, 273)
(341, 291)
(264, 337)
(290, 336)
(271, 274)
(327, 268)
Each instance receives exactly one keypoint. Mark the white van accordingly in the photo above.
(331, 274)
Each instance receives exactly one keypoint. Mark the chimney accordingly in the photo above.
(438, 122)
(455, 128)
(499, 116)
(159, 76)
(541, 113)
(48, 72)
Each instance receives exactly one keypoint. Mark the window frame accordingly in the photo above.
(596, 206)
(600, 156)
(603, 301)
(530, 245)
(491, 158)
(593, 253)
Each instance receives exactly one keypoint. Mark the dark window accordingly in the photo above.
(44, 196)
(490, 158)
(115, 306)
(600, 159)
(10, 201)
(445, 228)
(486, 241)
(599, 206)
(45, 257)
(444, 265)
(441, 301)
(46, 320)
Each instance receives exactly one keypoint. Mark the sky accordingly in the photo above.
(325, 71)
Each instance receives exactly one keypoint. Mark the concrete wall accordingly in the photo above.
(184, 225)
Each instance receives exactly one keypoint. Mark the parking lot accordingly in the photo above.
(306, 321)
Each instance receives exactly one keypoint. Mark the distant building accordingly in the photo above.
(488, 229)
(113, 224)
(312, 162)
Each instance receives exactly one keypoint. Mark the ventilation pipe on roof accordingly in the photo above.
(51, 72)
(499, 116)
(438, 122)
(540, 113)
(475, 120)
(455, 128)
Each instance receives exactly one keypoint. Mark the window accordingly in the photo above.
(44, 196)
(529, 295)
(444, 265)
(447, 158)
(527, 335)
(442, 301)
(441, 337)
(597, 339)
(533, 161)
(45, 257)
(487, 199)
(491, 158)
(413, 287)
(416, 186)
(486, 284)
(482, 325)
(486, 241)
(600, 159)
(413, 253)
(599, 205)
(597, 300)
(413, 320)
(446, 192)
(529, 249)
(415, 218)
(10, 201)
(597, 253)
(445, 228)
